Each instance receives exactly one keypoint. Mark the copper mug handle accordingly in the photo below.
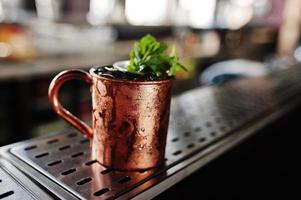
(53, 93)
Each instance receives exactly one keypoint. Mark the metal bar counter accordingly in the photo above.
(204, 123)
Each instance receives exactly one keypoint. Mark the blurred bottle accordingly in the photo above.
(93, 12)
(49, 9)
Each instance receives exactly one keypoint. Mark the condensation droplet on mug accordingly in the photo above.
(141, 146)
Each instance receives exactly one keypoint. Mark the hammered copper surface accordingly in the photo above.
(129, 119)
(130, 122)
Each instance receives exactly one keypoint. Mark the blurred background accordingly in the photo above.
(218, 41)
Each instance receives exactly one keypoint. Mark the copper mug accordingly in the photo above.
(129, 118)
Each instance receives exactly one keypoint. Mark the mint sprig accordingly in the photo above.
(149, 57)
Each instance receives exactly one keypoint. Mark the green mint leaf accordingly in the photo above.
(148, 57)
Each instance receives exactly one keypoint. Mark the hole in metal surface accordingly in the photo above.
(71, 135)
(187, 134)
(124, 180)
(91, 162)
(202, 139)
(232, 124)
(175, 139)
(106, 171)
(101, 192)
(6, 194)
(77, 154)
(213, 134)
(69, 171)
(84, 181)
(197, 129)
(54, 162)
(177, 153)
(52, 141)
(64, 147)
(223, 128)
(208, 124)
(141, 171)
(217, 119)
(30, 147)
(189, 146)
(84, 141)
(42, 155)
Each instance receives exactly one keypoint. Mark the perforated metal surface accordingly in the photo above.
(199, 119)
(11, 188)
(66, 158)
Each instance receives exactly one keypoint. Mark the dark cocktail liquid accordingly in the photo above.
(111, 72)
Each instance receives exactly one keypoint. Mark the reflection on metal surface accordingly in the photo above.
(202, 121)
(11, 187)
(75, 168)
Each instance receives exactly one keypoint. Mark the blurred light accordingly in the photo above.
(1, 12)
(49, 9)
(261, 7)
(9, 10)
(297, 54)
(146, 12)
(242, 2)
(5, 50)
(234, 14)
(237, 17)
(200, 13)
(99, 11)
(261, 3)
(210, 43)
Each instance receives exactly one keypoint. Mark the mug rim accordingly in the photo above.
(140, 82)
